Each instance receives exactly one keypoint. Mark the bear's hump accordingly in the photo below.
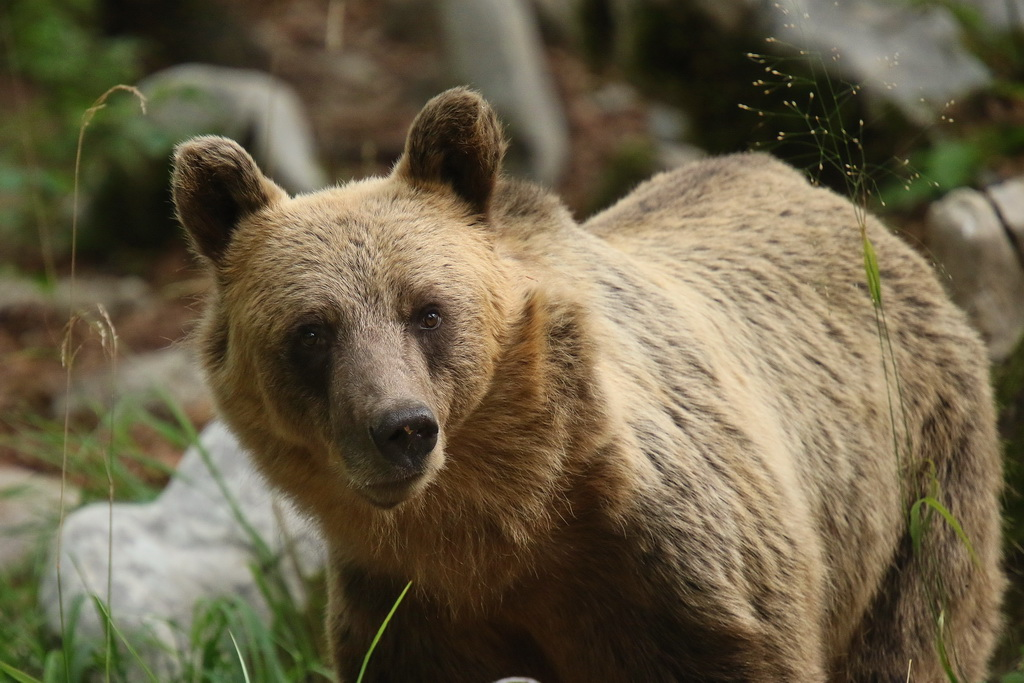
(748, 179)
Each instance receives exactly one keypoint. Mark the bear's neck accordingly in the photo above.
(533, 460)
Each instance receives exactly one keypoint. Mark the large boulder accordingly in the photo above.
(200, 539)
(30, 504)
(975, 237)
(495, 46)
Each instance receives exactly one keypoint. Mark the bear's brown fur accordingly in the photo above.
(678, 442)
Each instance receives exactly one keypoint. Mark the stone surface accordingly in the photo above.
(1008, 198)
(30, 505)
(243, 104)
(999, 14)
(984, 275)
(115, 294)
(495, 47)
(147, 378)
(909, 55)
(189, 544)
(668, 128)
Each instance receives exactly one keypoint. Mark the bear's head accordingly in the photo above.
(359, 325)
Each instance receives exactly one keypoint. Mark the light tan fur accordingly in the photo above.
(674, 442)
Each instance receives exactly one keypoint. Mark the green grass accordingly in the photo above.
(229, 640)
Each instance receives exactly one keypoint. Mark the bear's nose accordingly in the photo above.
(406, 435)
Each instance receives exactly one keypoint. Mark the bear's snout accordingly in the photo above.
(405, 436)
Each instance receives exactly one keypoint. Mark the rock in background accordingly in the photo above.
(200, 539)
(976, 238)
(123, 307)
(30, 505)
(911, 56)
(257, 109)
(130, 206)
(495, 46)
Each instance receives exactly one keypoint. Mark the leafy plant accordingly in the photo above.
(49, 93)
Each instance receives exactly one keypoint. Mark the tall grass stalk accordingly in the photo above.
(108, 338)
(842, 150)
(285, 650)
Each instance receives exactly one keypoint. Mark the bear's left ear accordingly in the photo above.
(455, 142)
(216, 184)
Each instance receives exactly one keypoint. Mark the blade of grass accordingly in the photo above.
(917, 524)
(380, 632)
(241, 659)
(109, 624)
(18, 676)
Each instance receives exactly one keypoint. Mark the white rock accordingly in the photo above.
(116, 295)
(911, 56)
(30, 504)
(985, 277)
(908, 54)
(999, 14)
(160, 558)
(1008, 198)
(495, 47)
(248, 105)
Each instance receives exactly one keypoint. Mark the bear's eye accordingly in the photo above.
(430, 319)
(311, 336)
(308, 356)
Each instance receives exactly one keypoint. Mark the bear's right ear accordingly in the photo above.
(455, 143)
(216, 184)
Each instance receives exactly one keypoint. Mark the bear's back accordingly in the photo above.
(763, 250)
(745, 291)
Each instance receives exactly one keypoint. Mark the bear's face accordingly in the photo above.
(359, 324)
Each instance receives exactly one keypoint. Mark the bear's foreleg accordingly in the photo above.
(422, 642)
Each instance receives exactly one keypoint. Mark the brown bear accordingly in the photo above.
(687, 440)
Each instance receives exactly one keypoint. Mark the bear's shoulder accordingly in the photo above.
(731, 183)
(522, 211)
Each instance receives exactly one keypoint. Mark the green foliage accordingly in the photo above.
(230, 639)
(91, 444)
(47, 33)
(919, 522)
(1017, 675)
(959, 156)
(871, 272)
(817, 122)
(22, 625)
(950, 162)
(58, 63)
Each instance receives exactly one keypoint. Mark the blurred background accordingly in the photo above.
(914, 109)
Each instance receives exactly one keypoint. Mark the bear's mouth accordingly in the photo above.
(389, 493)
